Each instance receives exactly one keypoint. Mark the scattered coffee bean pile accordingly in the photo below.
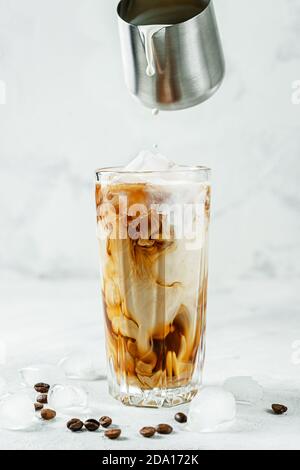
(41, 400)
(92, 425)
(150, 431)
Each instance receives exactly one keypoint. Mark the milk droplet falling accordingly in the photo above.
(152, 20)
(147, 32)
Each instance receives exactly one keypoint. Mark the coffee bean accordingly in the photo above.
(42, 388)
(148, 431)
(48, 414)
(74, 425)
(164, 429)
(279, 409)
(42, 398)
(181, 417)
(113, 433)
(92, 424)
(105, 421)
(38, 406)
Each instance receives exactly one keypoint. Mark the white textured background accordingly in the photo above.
(68, 112)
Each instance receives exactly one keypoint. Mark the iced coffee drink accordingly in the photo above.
(153, 234)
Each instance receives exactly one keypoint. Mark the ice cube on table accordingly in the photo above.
(49, 374)
(244, 389)
(16, 411)
(83, 366)
(211, 407)
(67, 398)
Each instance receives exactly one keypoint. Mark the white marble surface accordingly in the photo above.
(252, 327)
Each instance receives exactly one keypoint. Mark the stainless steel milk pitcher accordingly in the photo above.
(175, 62)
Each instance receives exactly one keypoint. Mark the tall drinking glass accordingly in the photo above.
(153, 240)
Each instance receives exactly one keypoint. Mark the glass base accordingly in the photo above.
(157, 398)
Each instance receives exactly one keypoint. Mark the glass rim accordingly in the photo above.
(179, 169)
